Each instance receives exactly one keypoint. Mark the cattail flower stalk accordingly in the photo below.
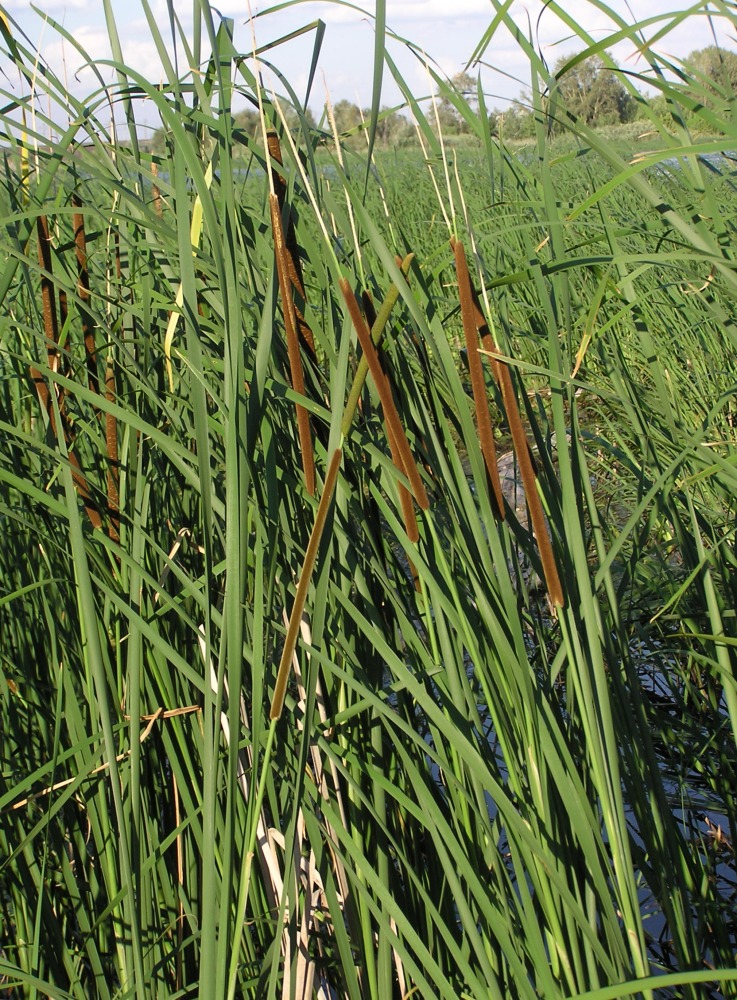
(290, 644)
(478, 385)
(295, 361)
(396, 432)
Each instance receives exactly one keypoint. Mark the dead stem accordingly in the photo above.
(295, 360)
(377, 332)
(51, 332)
(290, 643)
(405, 497)
(478, 385)
(83, 290)
(394, 424)
(294, 266)
(48, 305)
(78, 477)
(529, 477)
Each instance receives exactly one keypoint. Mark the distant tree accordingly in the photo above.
(246, 121)
(709, 77)
(352, 123)
(392, 128)
(715, 69)
(594, 93)
(451, 120)
(249, 121)
(158, 142)
(514, 122)
(347, 116)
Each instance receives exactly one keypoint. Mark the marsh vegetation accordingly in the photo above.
(293, 700)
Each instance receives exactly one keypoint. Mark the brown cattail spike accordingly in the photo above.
(394, 424)
(51, 332)
(522, 450)
(48, 305)
(295, 360)
(529, 481)
(51, 324)
(405, 497)
(63, 307)
(377, 332)
(80, 483)
(294, 267)
(83, 290)
(478, 385)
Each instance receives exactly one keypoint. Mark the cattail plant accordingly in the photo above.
(285, 728)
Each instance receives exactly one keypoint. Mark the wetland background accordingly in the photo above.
(294, 702)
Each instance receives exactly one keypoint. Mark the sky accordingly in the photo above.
(447, 30)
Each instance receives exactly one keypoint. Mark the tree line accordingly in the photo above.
(589, 91)
(593, 93)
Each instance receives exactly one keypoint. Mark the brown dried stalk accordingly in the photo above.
(290, 643)
(83, 290)
(524, 458)
(408, 466)
(478, 385)
(51, 332)
(51, 322)
(68, 781)
(294, 266)
(78, 477)
(151, 719)
(405, 497)
(529, 481)
(88, 331)
(295, 360)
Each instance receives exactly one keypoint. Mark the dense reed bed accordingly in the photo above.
(295, 698)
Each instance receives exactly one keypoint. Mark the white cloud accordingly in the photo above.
(54, 7)
(448, 30)
(67, 62)
(419, 10)
(301, 14)
(139, 53)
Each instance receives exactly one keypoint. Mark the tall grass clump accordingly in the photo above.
(305, 690)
